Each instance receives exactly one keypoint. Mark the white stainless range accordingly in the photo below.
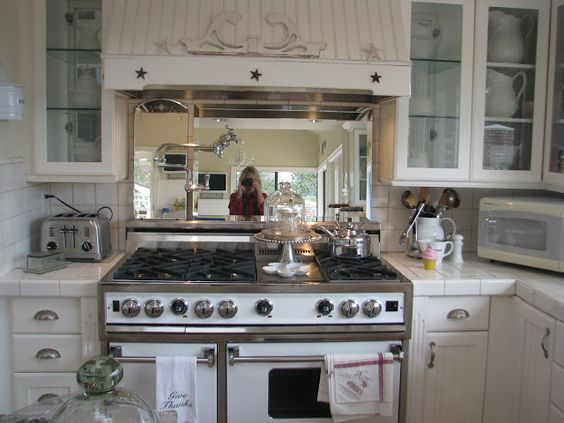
(260, 338)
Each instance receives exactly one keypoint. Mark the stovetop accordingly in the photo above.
(241, 264)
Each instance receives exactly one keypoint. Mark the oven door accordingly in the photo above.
(138, 360)
(267, 382)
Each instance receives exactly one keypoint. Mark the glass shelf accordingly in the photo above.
(435, 66)
(72, 109)
(78, 56)
(510, 65)
(433, 116)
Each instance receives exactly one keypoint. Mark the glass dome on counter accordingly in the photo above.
(102, 401)
(284, 212)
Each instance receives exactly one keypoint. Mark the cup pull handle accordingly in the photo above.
(46, 315)
(48, 354)
(431, 363)
(458, 314)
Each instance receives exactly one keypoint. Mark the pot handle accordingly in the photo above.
(450, 235)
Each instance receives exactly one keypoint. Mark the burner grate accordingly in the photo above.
(344, 268)
(188, 265)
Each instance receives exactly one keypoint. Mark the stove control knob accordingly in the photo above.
(227, 309)
(264, 307)
(179, 306)
(349, 308)
(154, 308)
(87, 246)
(130, 307)
(324, 306)
(204, 309)
(371, 308)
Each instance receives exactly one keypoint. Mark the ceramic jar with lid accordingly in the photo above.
(86, 93)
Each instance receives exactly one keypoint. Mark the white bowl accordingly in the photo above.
(302, 270)
(286, 273)
(275, 264)
(271, 270)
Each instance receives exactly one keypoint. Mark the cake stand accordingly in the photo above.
(287, 242)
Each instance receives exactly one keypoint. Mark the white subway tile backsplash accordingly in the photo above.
(106, 195)
(84, 195)
(63, 191)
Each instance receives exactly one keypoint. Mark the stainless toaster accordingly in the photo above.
(84, 236)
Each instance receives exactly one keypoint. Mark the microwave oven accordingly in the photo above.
(522, 230)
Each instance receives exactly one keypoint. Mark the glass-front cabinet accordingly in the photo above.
(73, 137)
(511, 55)
(438, 133)
(554, 151)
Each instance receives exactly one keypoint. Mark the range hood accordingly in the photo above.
(341, 51)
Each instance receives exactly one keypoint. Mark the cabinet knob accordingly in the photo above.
(48, 354)
(458, 314)
(46, 315)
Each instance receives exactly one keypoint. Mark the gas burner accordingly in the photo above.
(180, 264)
(344, 268)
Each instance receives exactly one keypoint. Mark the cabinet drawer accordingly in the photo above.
(40, 315)
(28, 387)
(50, 353)
(458, 313)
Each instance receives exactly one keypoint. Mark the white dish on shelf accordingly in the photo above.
(271, 270)
(286, 273)
(275, 264)
(302, 270)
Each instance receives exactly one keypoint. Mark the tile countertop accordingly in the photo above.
(477, 276)
(77, 279)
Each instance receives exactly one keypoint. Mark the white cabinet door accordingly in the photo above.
(455, 377)
(509, 90)
(80, 130)
(532, 363)
(432, 129)
(447, 370)
(553, 173)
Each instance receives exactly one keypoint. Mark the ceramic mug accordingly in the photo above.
(441, 248)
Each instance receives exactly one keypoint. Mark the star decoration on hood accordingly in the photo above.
(256, 74)
(376, 77)
(141, 73)
(372, 52)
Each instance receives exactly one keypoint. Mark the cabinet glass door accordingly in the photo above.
(73, 80)
(554, 154)
(439, 107)
(510, 82)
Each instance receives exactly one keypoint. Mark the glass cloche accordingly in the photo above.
(284, 213)
(102, 401)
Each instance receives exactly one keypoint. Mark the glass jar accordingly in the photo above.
(284, 213)
(102, 401)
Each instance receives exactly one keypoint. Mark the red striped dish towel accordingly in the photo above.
(357, 386)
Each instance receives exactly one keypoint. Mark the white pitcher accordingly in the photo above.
(506, 42)
(501, 100)
(430, 228)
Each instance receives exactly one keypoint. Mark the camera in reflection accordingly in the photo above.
(247, 182)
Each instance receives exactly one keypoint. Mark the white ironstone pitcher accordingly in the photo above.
(430, 228)
(506, 42)
(501, 100)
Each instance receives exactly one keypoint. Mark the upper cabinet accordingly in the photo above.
(78, 134)
(477, 107)
(432, 128)
(510, 62)
(554, 149)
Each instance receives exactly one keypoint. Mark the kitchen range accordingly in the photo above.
(260, 338)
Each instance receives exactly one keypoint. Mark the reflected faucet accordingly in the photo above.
(190, 186)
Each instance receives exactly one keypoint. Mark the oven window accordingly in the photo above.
(292, 393)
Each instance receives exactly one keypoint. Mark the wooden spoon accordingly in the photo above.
(425, 195)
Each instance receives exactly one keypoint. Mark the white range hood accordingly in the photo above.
(286, 45)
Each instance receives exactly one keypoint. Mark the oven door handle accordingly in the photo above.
(234, 357)
(115, 351)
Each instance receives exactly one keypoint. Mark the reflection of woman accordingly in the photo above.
(249, 199)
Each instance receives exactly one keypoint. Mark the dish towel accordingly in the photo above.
(176, 387)
(357, 386)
